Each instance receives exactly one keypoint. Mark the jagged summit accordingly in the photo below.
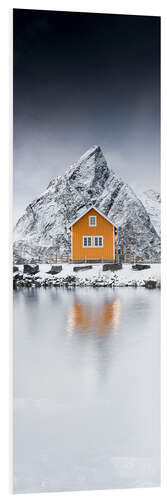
(92, 164)
(87, 182)
(90, 152)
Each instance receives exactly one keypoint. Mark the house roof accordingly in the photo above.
(86, 212)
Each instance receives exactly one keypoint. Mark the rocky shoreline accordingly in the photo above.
(71, 281)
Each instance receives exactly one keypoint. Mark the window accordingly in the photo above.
(98, 241)
(93, 241)
(92, 220)
(87, 241)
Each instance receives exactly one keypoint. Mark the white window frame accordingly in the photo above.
(90, 218)
(92, 241)
(99, 246)
(83, 244)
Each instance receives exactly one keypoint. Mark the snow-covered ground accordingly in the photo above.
(124, 275)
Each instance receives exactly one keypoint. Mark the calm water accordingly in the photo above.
(86, 389)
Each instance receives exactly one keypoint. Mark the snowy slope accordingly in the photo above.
(152, 203)
(43, 228)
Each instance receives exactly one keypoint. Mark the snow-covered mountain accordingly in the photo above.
(43, 228)
(152, 202)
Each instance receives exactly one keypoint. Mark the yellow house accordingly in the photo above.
(93, 238)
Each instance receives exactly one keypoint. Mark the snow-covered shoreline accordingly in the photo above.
(90, 277)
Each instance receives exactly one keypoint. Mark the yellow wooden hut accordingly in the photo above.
(93, 238)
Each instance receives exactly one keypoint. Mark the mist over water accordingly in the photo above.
(86, 389)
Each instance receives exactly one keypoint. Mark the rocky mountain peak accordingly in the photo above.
(91, 168)
(93, 151)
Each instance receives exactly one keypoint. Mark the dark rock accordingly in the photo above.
(18, 276)
(112, 267)
(30, 269)
(150, 284)
(37, 283)
(15, 269)
(55, 270)
(83, 268)
(18, 280)
(20, 261)
(14, 284)
(45, 283)
(132, 283)
(140, 267)
(71, 279)
(99, 284)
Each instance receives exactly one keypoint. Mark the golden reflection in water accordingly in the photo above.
(98, 320)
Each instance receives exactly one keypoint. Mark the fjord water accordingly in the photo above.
(86, 389)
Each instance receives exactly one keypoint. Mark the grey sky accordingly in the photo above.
(81, 80)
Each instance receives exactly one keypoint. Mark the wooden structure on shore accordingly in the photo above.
(93, 238)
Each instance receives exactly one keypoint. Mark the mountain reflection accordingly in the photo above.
(97, 319)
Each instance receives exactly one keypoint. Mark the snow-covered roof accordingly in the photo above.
(88, 210)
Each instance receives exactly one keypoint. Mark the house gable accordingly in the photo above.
(87, 212)
(100, 243)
